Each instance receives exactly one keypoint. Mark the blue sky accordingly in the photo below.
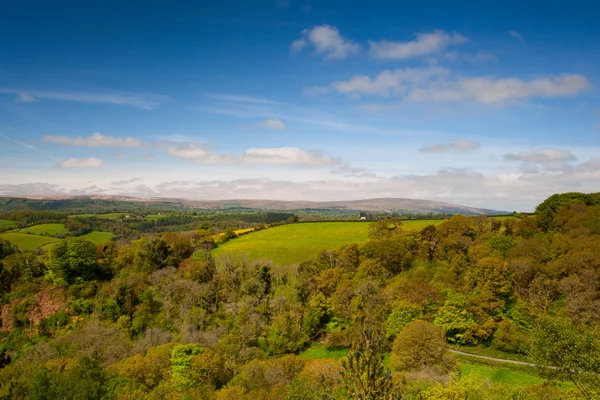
(490, 106)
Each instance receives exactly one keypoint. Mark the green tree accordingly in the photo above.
(563, 349)
(71, 259)
(421, 345)
(363, 373)
(402, 314)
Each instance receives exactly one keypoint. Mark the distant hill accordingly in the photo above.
(108, 203)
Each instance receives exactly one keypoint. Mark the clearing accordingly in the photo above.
(25, 241)
(5, 223)
(294, 243)
(45, 229)
(98, 237)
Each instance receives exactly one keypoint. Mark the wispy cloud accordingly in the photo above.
(435, 84)
(516, 35)
(271, 124)
(29, 146)
(327, 41)
(461, 145)
(91, 162)
(424, 44)
(132, 180)
(254, 156)
(141, 100)
(94, 140)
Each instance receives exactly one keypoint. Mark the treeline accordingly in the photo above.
(158, 317)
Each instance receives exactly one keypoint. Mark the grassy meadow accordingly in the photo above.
(45, 229)
(5, 223)
(98, 237)
(289, 244)
(25, 241)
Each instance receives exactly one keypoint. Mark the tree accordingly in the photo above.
(363, 373)
(421, 345)
(563, 349)
(71, 259)
(402, 314)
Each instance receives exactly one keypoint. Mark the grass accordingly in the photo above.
(25, 241)
(496, 373)
(491, 352)
(98, 237)
(4, 223)
(510, 375)
(45, 229)
(154, 217)
(320, 351)
(289, 244)
(418, 224)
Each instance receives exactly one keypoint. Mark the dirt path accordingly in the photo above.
(464, 353)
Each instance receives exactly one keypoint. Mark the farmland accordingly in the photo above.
(288, 244)
(45, 229)
(98, 237)
(25, 241)
(4, 223)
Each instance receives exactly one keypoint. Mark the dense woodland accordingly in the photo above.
(156, 317)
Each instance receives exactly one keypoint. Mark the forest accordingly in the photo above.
(154, 315)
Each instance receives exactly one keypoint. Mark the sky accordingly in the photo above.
(474, 103)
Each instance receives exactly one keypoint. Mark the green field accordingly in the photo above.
(27, 242)
(320, 351)
(45, 229)
(501, 374)
(98, 237)
(289, 244)
(154, 217)
(4, 223)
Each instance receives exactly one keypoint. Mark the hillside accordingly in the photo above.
(98, 203)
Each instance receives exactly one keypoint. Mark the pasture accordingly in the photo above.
(45, 229)
(25, 241)
(289, 244)
(5, 223)
(98, 237)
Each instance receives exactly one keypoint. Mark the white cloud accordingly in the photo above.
(388, 82)
(461, 145)
(516, 35)
(433, 148)
(140, 100)
(326, 41)
(425, 44)
(132, 180)
(94, 140)
(434, 84)
(259, 156)
(25, 98)
(464, 145)
(80, 163)
(541, 156)
(271, 124)
(494, 91)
